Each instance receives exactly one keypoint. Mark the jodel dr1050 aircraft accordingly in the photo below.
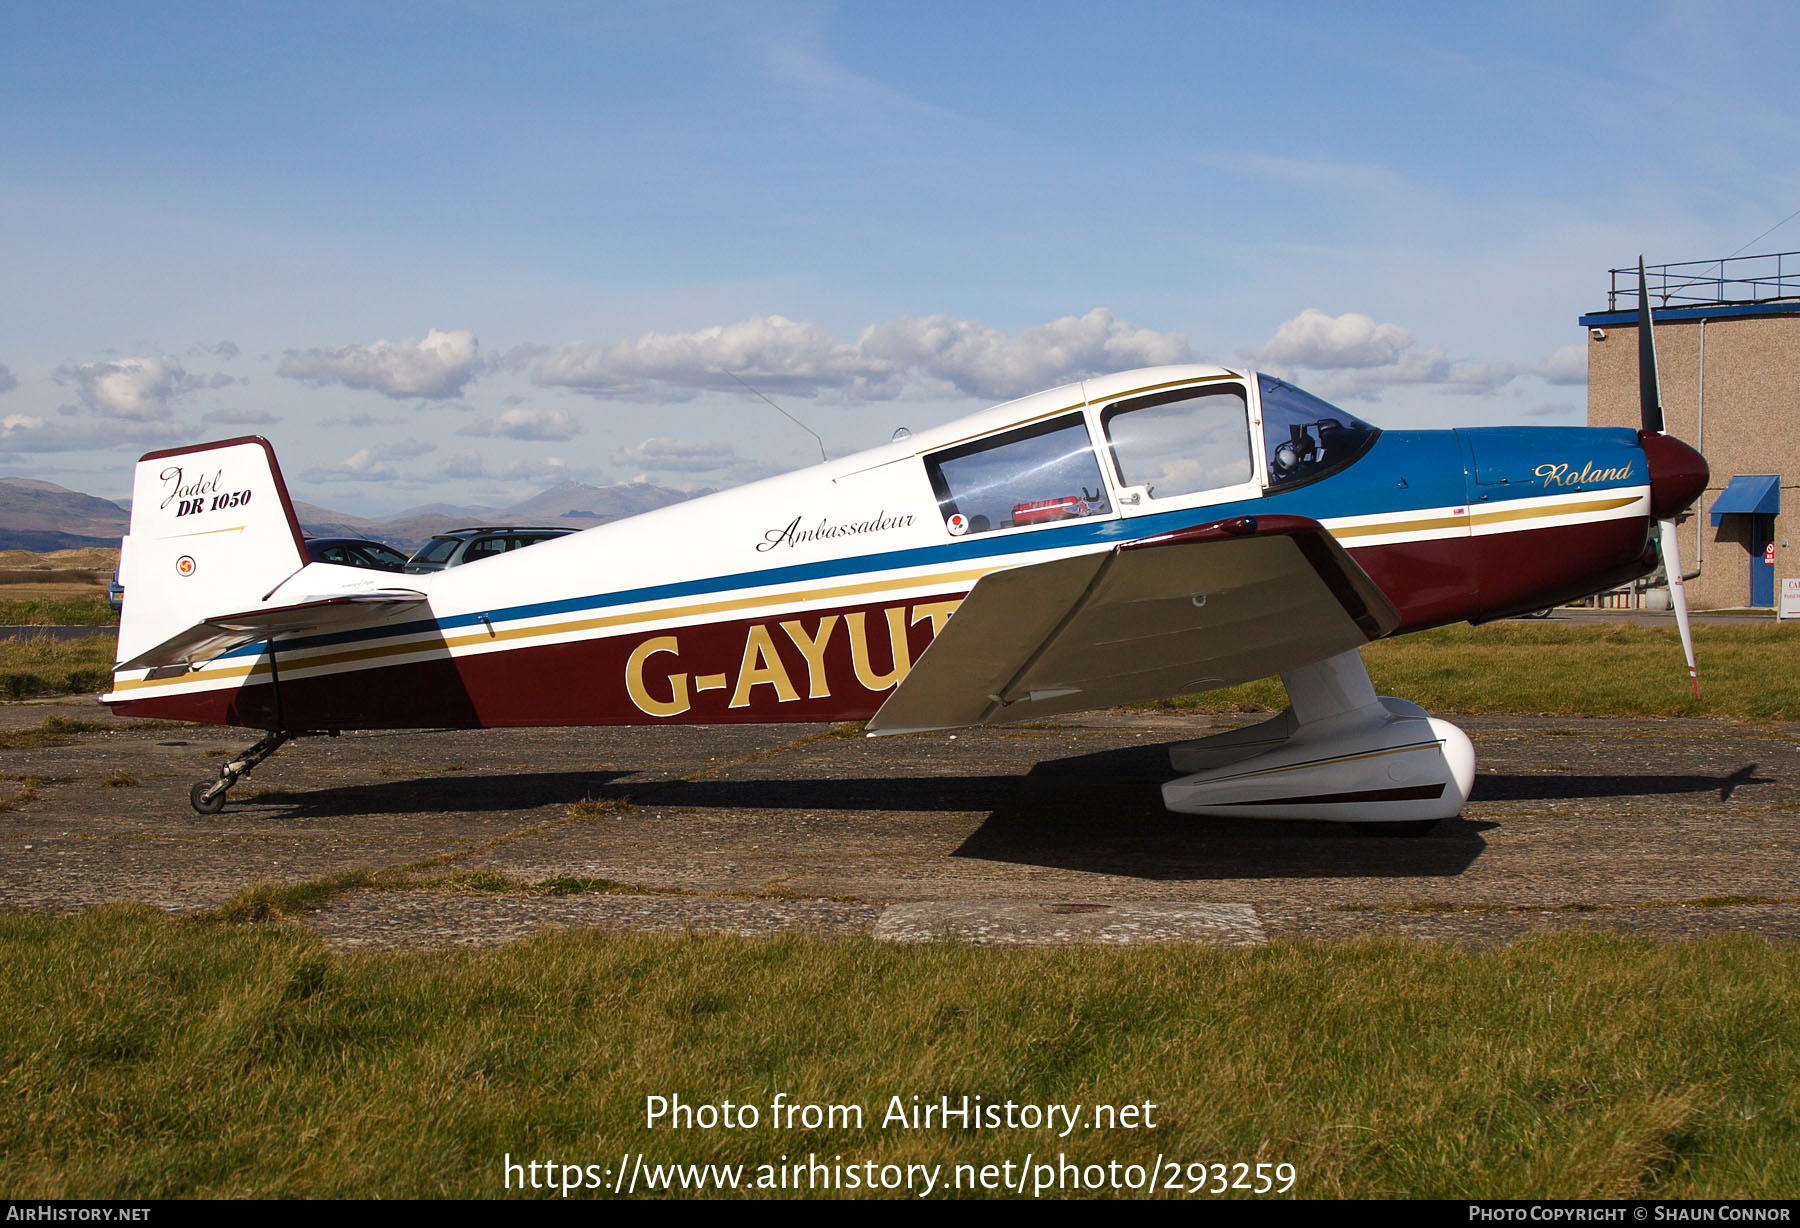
(1125, 538)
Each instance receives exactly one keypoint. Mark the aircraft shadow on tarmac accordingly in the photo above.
(1499, 787)
(1099, 813)
(473, 793)
(1103, 814)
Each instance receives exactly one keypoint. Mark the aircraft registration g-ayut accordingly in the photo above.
(1124, 538)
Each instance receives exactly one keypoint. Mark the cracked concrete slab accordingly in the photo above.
(1057, 923)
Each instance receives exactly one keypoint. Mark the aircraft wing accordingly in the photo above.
(223, 632)
(1201, 608)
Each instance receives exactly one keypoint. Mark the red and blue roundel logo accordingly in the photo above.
(185, 565)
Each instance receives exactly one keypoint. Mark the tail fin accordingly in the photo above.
(212, 530)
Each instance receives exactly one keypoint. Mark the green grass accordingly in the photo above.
(1747, 671)
(148, 1057)
(55, 731)
(268, 900)
(42, 666)
(59, 611)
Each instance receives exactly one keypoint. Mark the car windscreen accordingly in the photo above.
(436, 550)
(380, 557)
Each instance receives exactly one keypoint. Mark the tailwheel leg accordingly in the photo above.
(208, 796)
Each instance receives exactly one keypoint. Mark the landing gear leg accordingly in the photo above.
(1341, 754)
(208, 796)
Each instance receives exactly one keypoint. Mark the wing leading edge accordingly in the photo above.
(1201, 608)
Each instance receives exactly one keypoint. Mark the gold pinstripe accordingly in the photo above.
(1561, 509)
(1496, 516)
(236, 528)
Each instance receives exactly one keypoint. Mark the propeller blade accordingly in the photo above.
(1649, 389)
(1671, 558)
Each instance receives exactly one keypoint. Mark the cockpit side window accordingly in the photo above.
(1305, 437)
(1182, 442)
(1036, 475)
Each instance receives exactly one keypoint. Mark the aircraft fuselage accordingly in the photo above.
(809, 596)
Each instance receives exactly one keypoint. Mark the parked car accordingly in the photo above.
(355, 552)
(459, 546)
(115, 594)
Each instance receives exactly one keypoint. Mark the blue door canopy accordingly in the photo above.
(1750, 494)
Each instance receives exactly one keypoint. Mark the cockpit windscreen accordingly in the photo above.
(1305, 437)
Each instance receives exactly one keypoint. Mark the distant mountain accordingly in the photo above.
(579, 503)
(40, 516)
(439, 509)
(323, 522)
(409, 530)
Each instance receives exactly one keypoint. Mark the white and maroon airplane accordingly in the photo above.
(1124, 538)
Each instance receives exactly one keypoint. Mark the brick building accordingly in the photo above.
(1728, 346)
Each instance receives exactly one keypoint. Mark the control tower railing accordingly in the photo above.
(1705, 283)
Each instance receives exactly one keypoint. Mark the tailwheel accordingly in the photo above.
(208, 796)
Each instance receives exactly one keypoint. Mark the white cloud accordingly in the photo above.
(362, 465)
(1567, 365)
(1352, 357)
(522, 423)
(1320, 342)
(242, 417)
(361, 421)
(8, 381)
(1433, 367)
(135, 389)
(28, 433)
(977, 360)
(468, 464)
(521, 356)
(773, 353)
(435, 368)
(551, 468)
(677, 455)
(463, 464)
(374, 464)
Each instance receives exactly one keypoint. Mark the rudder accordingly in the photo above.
(212, 532)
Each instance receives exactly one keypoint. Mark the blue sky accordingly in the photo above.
(460, 251)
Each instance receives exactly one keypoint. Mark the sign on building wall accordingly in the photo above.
(1790, 599)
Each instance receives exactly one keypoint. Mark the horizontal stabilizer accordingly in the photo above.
(223, 632)
(1202, 608)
